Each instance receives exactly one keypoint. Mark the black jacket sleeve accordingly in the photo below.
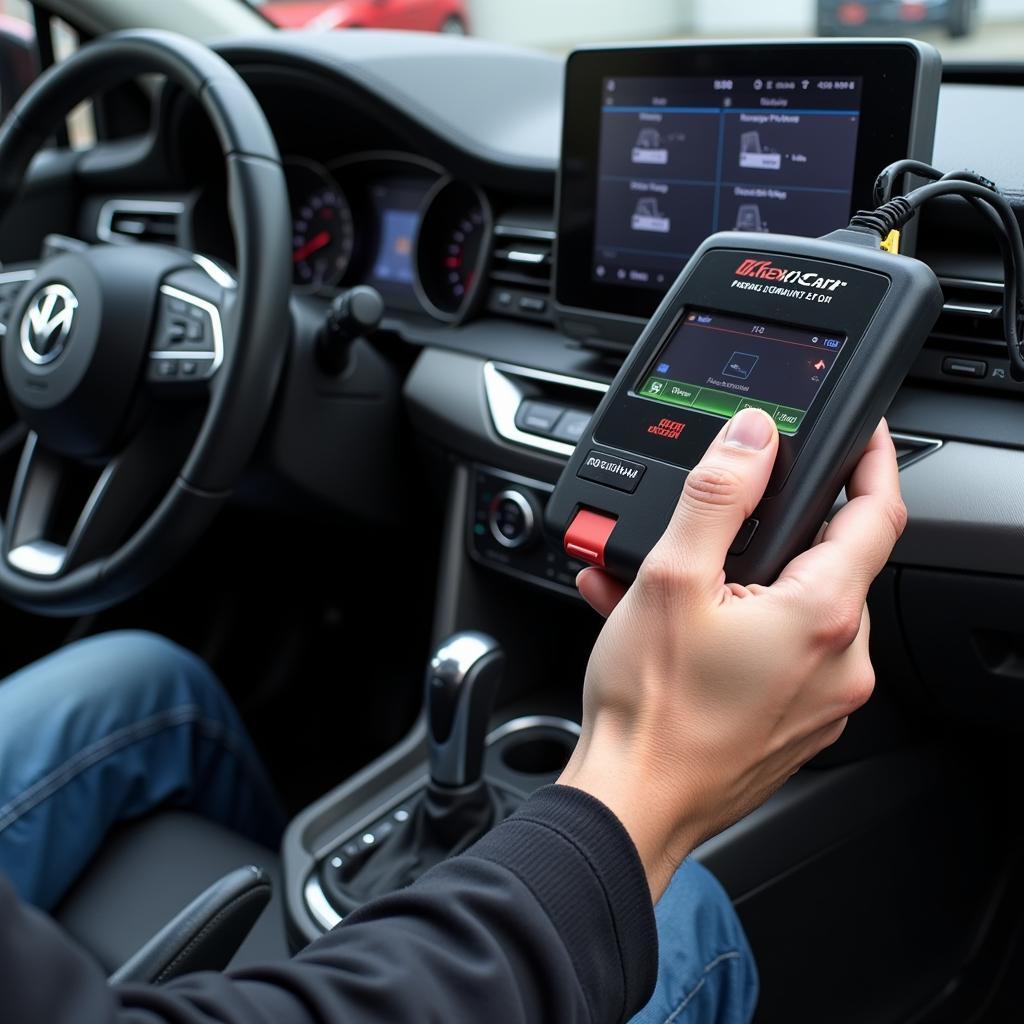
(548, 918)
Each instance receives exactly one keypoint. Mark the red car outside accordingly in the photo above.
(421, 15)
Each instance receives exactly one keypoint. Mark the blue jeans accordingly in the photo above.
(109, 728)
(105, 730)
(706, 970)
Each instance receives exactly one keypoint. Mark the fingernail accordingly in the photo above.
(750, 428)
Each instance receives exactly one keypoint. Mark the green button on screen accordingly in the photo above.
(750, 403)
(681, 394)
(716, 402)
(788, 420)
(654, 388)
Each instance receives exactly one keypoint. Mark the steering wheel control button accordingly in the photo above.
(188, 331)
(611, 471)
(588, 535)
(165, 368)
(744, 537)
(957, 367)
(511, 519)
(538, 417)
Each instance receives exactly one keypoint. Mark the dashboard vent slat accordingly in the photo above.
(972, 313)
(520, 271)
(140, 220)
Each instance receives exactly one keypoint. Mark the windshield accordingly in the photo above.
(961, 29)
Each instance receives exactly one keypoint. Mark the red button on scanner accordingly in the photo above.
(587, 536)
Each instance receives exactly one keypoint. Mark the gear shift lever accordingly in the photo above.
(457, 806)
(462, 680)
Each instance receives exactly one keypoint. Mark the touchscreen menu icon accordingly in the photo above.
(754, 155)
(648, 217)
(748, 218)
(740, 365)
(648, 148)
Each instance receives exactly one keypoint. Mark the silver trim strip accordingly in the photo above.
(970, 308)
(6, 277)
(922, 446)
(531, 258)
(105, 218)
(533, 722)
(217, 357)
(318, 906)
(38, 558)
(16, 275)
(504, 399)
(214, 271)
(506, 230)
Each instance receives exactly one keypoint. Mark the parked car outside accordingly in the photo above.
(419, 15)
(875, 17)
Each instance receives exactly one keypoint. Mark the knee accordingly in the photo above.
(128, 660)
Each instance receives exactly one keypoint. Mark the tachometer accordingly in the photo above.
(451, 248)
(323, 231)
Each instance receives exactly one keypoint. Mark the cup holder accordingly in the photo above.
(537, 751)
(538, 755)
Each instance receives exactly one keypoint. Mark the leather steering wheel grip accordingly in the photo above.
(257, 322)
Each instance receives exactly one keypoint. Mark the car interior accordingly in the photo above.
(346, 304)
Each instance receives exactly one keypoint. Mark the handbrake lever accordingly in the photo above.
(206, 934)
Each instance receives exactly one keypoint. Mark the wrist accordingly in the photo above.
(662, 832)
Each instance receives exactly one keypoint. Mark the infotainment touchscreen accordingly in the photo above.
(681, 158)
(662, 145)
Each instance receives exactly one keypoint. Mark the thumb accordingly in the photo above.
(600, 590)
(719, 494)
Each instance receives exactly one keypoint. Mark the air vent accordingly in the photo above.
(140, 220)
(967, 349)
(520, 276)
(972, 312)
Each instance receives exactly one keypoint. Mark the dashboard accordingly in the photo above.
(457, 206)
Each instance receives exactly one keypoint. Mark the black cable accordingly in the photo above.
(890, 216)
(986, 199)
(1014, 266)
(886, 181)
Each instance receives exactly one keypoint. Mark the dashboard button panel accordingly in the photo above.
(538, 417)
(498, 505)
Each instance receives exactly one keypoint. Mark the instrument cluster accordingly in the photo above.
(398, 223)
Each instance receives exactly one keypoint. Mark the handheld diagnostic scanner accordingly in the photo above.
(819, 333)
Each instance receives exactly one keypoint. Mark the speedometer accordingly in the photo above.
(323, 232)
(451, 248)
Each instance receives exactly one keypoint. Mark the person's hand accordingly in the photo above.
(702, 697)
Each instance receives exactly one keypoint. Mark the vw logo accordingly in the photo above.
(47, 323)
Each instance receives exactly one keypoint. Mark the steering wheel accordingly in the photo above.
(143, 373)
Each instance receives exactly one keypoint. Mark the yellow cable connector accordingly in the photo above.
(892, 242)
